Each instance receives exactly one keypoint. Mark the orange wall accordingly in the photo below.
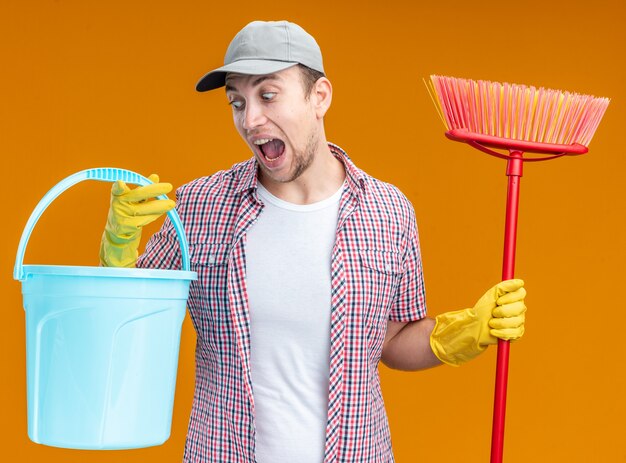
(95, 83)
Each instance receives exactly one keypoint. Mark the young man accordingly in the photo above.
(309, 273)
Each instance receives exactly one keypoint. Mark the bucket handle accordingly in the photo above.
(105, 174)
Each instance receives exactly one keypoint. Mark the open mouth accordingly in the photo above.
(272, 149)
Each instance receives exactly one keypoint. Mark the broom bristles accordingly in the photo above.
(517, 112)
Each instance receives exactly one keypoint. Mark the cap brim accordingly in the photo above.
(217, 77)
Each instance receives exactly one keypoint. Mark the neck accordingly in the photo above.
(321, 179)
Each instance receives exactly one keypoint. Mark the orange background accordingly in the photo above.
(94, 83)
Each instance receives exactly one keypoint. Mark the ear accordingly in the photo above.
(321, 96)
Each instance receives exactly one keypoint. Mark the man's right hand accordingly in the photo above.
(131, 209)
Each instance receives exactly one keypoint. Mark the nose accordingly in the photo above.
(253, 116)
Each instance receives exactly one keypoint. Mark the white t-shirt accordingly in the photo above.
(288, 255)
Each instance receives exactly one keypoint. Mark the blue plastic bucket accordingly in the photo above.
(101, 343)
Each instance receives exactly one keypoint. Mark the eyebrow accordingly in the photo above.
(255, 82)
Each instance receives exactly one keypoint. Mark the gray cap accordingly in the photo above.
(265, 47)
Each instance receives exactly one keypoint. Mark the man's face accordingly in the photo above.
(276, 120)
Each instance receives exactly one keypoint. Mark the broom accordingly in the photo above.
(520, 120)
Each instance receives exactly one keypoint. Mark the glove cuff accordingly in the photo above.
(454, 339)
(118, 251)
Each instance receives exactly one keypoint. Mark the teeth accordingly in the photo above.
(272, 160)
(262, 141)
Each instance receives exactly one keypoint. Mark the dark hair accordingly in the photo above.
(309, 77)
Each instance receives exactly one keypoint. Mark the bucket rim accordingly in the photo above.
(108, 272)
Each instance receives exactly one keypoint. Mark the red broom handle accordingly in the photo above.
(514, 172)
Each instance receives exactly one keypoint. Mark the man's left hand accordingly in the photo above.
(499, 314)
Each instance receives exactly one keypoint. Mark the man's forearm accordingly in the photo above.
(409, 349)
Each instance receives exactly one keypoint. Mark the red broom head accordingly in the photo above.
(517, 112)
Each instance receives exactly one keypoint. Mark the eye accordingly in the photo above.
(237, 104)
(268, 95)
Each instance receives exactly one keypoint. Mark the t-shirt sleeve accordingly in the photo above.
(410, 301)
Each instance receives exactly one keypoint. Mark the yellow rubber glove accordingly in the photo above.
(130, 211)
(462, 335)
